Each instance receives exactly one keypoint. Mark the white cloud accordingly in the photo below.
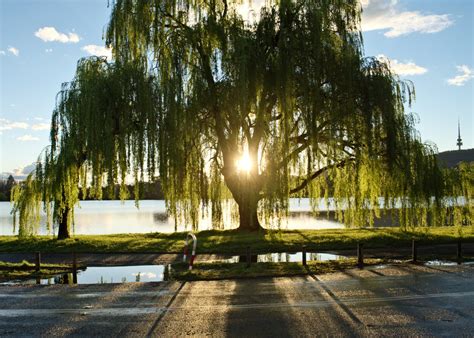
(48, 34)
(40, 126)
(27, 138)
(22, 172)
(250, 10)
(400, 68)
(48, 50)
(2, 52)
(459, 80)
(13, 50)
(98, 51)
(386, 15)
(39, 118)
(9, 125)
(19, 173)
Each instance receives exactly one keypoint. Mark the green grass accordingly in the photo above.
(213, 271)
(26, 270)
(24, 265)
(235, 242)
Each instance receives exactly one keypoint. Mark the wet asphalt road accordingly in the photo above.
(400, 300)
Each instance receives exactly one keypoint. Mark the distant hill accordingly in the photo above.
(453, 157)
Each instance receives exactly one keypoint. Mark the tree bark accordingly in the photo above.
(245, 191)
(248, 213)
(63, 231)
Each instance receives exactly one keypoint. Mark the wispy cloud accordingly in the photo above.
(40, 126)
(401, 68)
(20, 173)
(461, 79)
(98, 51)
(48, 50)
(49, 34)
(2, 52)
(13, 50)
(27, 138)
(9, 125)
(386, 15)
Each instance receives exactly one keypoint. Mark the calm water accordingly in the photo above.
(109, 217)
(105, 275)
(284, 257)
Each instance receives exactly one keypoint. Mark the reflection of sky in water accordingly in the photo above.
(117, 274)
(288, 257)
(108, 217)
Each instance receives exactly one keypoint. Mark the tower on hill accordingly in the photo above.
(459, 143)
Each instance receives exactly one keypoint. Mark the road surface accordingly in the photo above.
(401, 300)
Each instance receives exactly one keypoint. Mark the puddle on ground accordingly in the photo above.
(105, 275)
(440, 263)
(283, 257)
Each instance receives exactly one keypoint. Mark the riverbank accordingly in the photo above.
(235, 243)
(25, 270)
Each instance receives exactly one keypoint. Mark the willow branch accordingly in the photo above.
(318, 173)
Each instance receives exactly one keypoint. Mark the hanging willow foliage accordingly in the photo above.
(292, 90)
(103, 125)
(194, 88)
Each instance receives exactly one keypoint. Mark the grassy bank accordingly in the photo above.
(234, 242)
(26, 270)
(214, 271)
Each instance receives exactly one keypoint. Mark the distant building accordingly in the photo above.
(459, 143)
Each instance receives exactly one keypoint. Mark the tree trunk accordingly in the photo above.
(248, 214)
(245, 188)
(63, 231)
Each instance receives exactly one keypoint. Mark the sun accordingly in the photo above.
(244, 164)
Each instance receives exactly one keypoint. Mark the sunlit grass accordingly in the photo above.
(235, 242)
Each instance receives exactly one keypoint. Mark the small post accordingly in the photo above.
(414, 251)
(249, 258)
(38, 261)
(360, 255)
(304, 255)
(459, 252)
(74, 267)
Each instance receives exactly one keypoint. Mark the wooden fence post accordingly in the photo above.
(414, 251)
(304, 255)
(74, 267)
(38, 261)
(459, 252)
(249, 258)
(360, 255)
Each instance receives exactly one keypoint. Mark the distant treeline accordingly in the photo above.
(146, 191)
(452, 158)
(153, 191)
(6, 188)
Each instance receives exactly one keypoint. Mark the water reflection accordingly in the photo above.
(285, 257)
(111, 274)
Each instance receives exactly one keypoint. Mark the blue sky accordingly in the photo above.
(428, 42)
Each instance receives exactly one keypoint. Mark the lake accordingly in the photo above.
(112, 217)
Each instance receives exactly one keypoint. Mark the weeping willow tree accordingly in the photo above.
(459, 194)
(97, 137)
(276, 107)
(283, 105)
